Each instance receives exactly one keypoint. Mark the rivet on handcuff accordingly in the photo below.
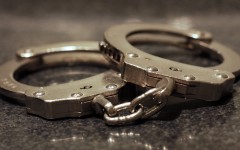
(163, 78)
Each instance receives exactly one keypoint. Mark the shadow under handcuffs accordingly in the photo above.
(173, 111)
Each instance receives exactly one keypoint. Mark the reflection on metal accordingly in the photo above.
(165, 148)
(125, 134)
(130, 137)
(185, 138)
(116, 138)
(190, 137)
(120, 137)
(111, 140)
(73, 138)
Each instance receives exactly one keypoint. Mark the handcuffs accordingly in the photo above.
(161, 77)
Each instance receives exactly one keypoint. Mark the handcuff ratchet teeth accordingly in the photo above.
(146, 70)
(62, 100)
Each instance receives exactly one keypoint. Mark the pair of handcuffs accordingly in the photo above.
(102, 94)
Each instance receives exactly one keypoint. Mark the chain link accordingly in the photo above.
(118, 120)
(143, 106)
(154, 99)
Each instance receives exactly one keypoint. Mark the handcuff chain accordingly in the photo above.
(143, 106)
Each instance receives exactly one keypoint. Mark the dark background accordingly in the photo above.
(192, 125)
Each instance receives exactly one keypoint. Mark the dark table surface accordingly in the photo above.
(196, 125)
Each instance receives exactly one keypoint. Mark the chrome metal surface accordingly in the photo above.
(158, 98)
(189, 125)
(143, 106)
(119, 120)
(112, 114)
(63, 100)
(143, 69)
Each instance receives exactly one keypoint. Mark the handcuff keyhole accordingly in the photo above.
(175, 69)
(86, 87)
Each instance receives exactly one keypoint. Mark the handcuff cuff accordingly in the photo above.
(68, 99)
(163, 78)
(63, 100)
(183, 80)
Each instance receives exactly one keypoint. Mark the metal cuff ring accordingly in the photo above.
(63, 100)
(192, 82)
